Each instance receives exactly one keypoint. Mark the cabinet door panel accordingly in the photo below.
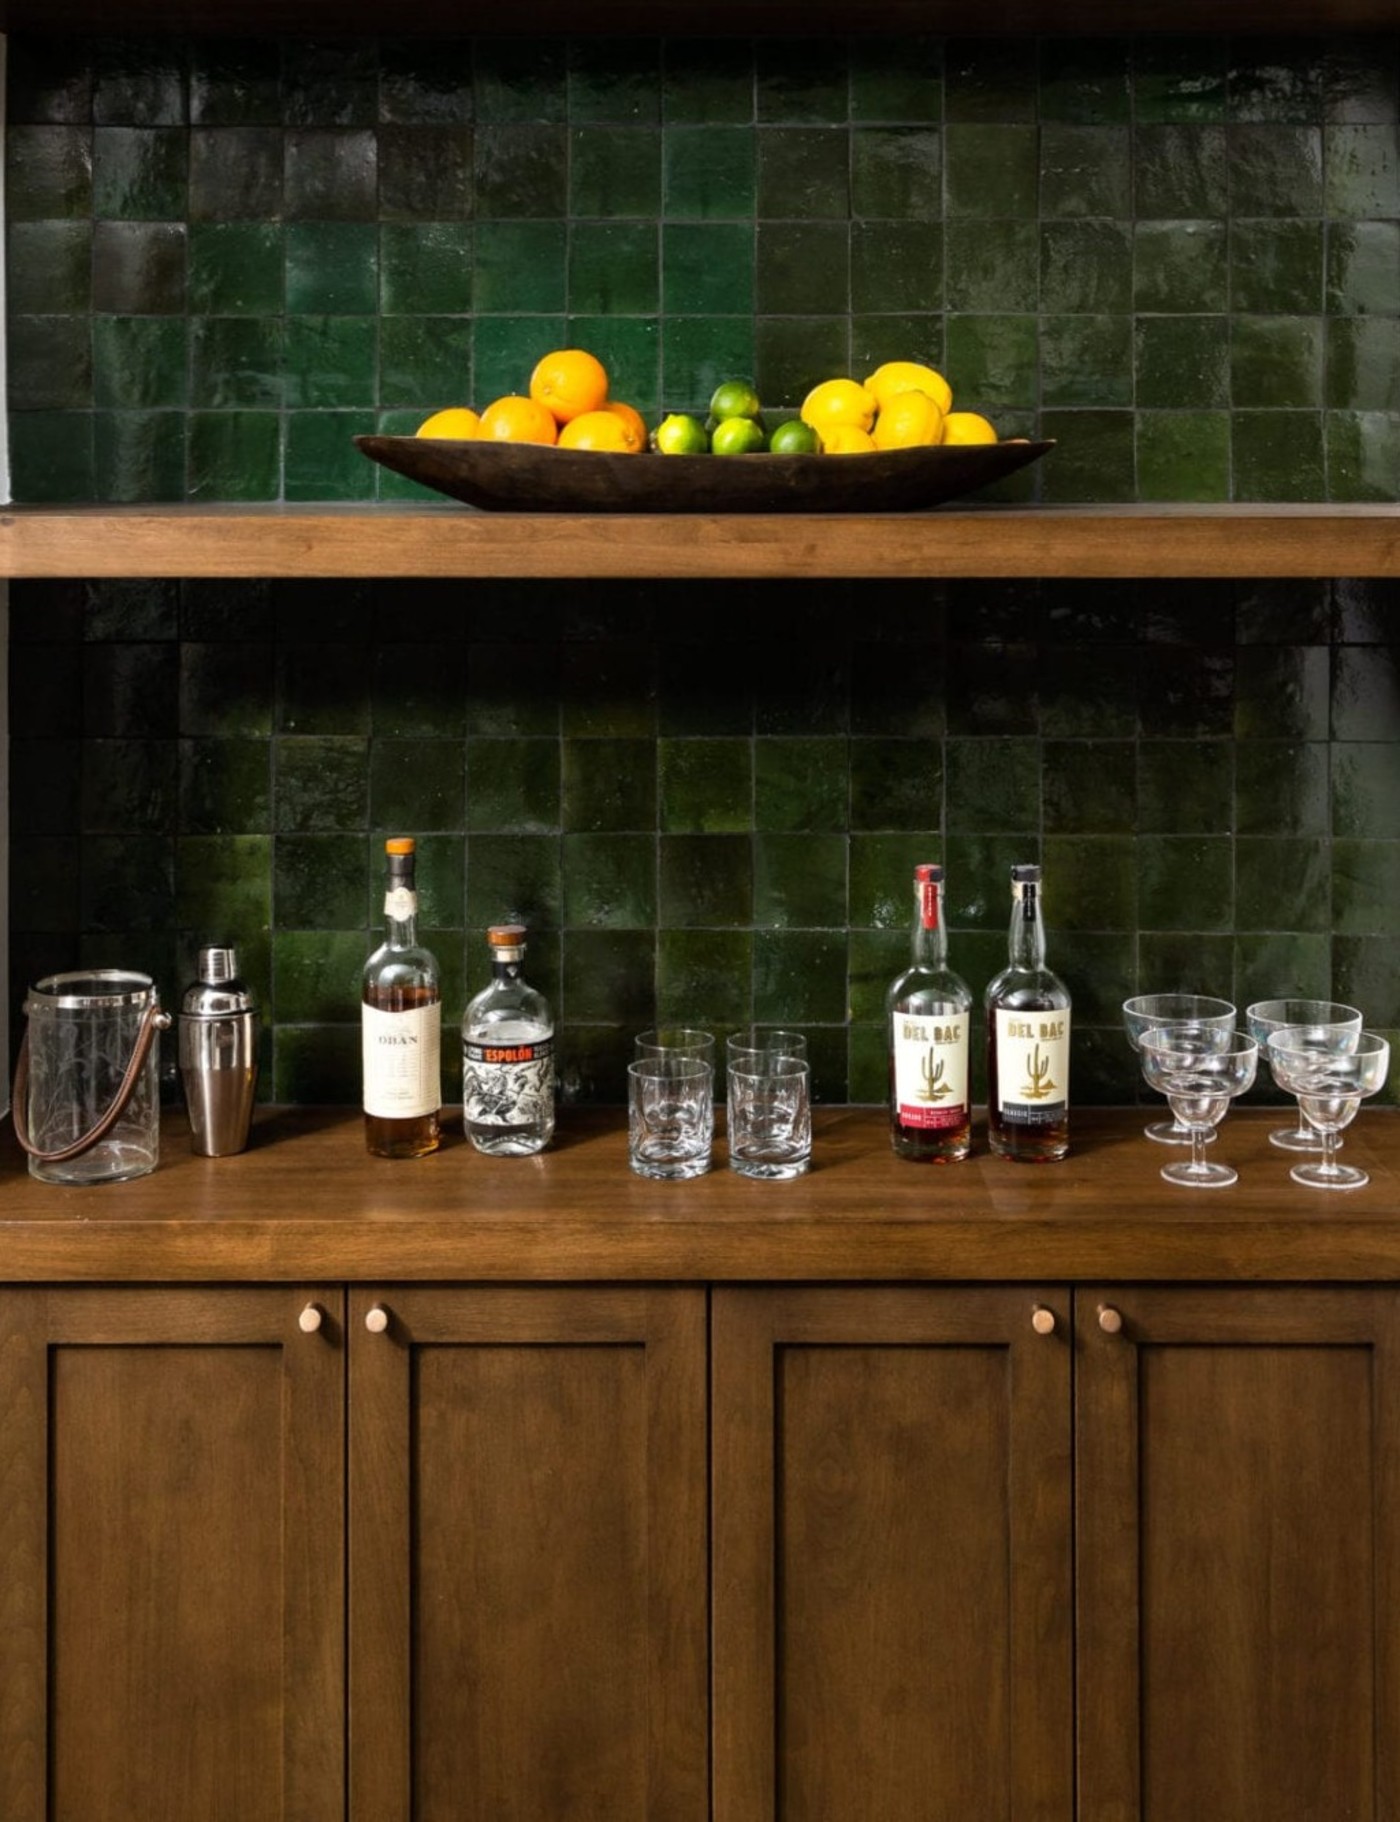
(1238, 1535)
(179, 1553)
(528, 1483)
(892, 1556)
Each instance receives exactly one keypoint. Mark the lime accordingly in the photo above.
(680, 435)
(735, 399)
(737, 436)
(794, 438)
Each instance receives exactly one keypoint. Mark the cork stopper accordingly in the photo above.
(506, 936)
(400, 844)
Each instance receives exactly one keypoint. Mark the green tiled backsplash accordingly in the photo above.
(1179, 258)
(706, 799)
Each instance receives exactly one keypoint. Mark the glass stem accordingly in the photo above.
(1329, 1151)
(1198, 1149)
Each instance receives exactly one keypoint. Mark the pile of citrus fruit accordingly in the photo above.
(903, 405)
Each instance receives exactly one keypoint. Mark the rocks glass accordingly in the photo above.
(1200, 1075)
(1194, 1011)
(770, 1114)
(1327, 1020)
(1329, 1083)
(670, 1116)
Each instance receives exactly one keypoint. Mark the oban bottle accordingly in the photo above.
(929, 1009)
(508, 1056)
(401, 1024)
(1028, 1017)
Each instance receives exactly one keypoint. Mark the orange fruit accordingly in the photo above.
(967, 427)
(908, 420)
(598, 430)
(569, 382)
(632, 421)
(513, 419)
(457, 422)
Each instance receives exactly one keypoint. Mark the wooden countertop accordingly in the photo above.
(305, 1202)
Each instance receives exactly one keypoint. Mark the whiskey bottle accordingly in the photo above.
(1028, 1016)
(508, 1056)
(929, 1014)
(401, 1024)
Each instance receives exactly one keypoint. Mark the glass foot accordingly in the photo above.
(1329, 1176)
(1296, 1138)
(1167, 1132)
(1200, 1176)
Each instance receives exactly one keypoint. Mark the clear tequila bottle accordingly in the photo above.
(508, 1056)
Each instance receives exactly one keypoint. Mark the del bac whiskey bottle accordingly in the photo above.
(1028, 1014)
(929, 1013)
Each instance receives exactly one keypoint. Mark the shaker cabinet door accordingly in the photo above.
(892, 1596)
(1238, 1494)
(528, 1563)
(171, 1555)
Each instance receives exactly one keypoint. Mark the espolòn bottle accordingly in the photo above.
(508, 1056)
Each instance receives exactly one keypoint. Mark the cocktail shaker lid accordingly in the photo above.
(218, 992)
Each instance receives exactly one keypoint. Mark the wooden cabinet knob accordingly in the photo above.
(310, 1319)
(1110, 1319)
(1043, 1320)
(377, 1320)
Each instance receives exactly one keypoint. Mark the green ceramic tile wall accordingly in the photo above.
(705, 800)
(1180, 258)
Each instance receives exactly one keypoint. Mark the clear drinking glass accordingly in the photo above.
(764, 1040)
(1324, 1018)
(675, 1040)
(1199, 1076)
(1329, 1084)
(770, 1115)
(1194, 1011)
(670, 1116)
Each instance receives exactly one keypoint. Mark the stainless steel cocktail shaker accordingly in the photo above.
(219, 1054)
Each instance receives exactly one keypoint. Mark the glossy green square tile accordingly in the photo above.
(1282, 692)
(49, 268)
(140, 173)
(1094, 460)
(235, 174)
(990, 170)
(1365, 689)
(610, 975)
(992, 785)
(1363, 454)
(426, 173)
(1362, 609)
(138, 267)
(615, 79)
(332, 268)
(520, 79)
(1276, 360)
(1182, 361)
(49, 79)
(321, 688)
(1089, 787)
(800, 784)
(424, 358)
(1282, 883)
(317, 976)
(1085, 80)
(789, 350)
(1363, 267)
(520, 266)
(615, 171)
(810, 692)
(425, 266)
(1101, 969)
(512, 689)
(991, 265)
(895, 783)
(1086, 360)
(1281, 787)
(1180, 266)
(705, 978)
(521, 170)
(1194, 962)
(225, 786)
(915, 707)
(708, 81)
(1181, 172)
(697, 353)
(608, 689)
(138, 455)
(707, 267)
(45, 896)
(329, 360)
(629, 347)
(1186, 691)
(1085, 170)
(48, 173)
(426, 81)
(799, 976)
(1086, 690)
(609, 784)
(1366, 789)
(705, 786)
(234, 455)
(236, 268)
(876, 338)
(896, 79)
(867, 1065)
(992, 687)
(506, 347)
(799, 882)
(1180, 79)
(1276, 266)
(995, 359)
(321, 461)
(141, 610)
(1363, 172)
(1360, 80)
(609, 880)
(513, 784)
(139, 361)
(330, 174)
(801, 80)
(1363, 974)
(316, 1065)
(235, 82)
(800, 268)
(128, 786)
(1275, 170)
(1272, 964)
(1091, 882)
(50, 362)
(881, 869)
(874, 959)
(705, 881)
(1185, 882)
(896, 266)
(223, 886)
(1086, 266)
(1183, 455)
(1274, 79)
(519, 877)
(1363, 363)
(236, 361)
(896, 172)
(415, 784)
(803, 173)
(129, 689)
(991, 81)
(1278, 455)
(319, 882)
(321, 783)
(127, 882)
(709, 173)
(140, 82)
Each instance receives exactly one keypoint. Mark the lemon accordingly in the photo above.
(794, 438)
(735, 399)
(680, 435)
(910, 376)
(737, 436)
(837, 403)
(847, 439)
(908, 420)
(456, 422)
(967, 427)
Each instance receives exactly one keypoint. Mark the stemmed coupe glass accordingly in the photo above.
(1329, 1083)
(1200, 1073)
(1330, 1023)
(1191, 1011)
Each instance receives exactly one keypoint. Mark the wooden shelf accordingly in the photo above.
(450, 540)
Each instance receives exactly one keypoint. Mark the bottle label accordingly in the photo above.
(930, 1069)
(400, 903)
(402, 1061)
(507, 1084)
(1033, 1066)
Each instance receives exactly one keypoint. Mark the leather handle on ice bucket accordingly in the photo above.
(153, 1019)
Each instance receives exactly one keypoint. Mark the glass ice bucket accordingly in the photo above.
(86, 1093)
